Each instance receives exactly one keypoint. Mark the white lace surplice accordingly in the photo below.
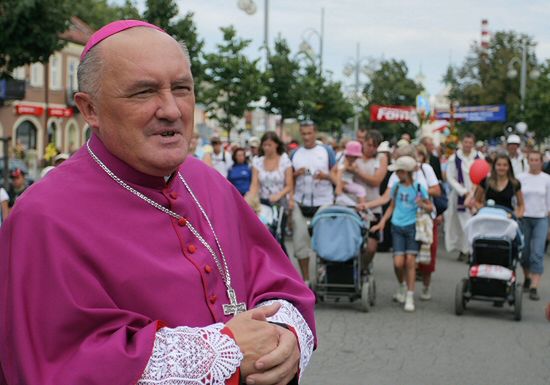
(205, 356)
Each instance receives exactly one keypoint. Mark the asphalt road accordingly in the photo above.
(388, 346)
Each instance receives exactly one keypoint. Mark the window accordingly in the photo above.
(19, 73)
(26, 135)
(72, 80)
(37, 75)
(55, 72)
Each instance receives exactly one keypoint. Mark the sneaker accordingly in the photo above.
(426, 294)
(409, 301)
(526, 285)
(399, 295)
(533, 295)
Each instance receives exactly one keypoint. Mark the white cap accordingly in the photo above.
(384, 147)
(254, 141)
(62, 156)
(402, 143)
(513, 139)
(405, 163)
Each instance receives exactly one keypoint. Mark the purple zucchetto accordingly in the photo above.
(112, 29)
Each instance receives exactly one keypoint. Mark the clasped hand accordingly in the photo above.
(271, 353)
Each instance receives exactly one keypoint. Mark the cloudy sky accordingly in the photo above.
(426, 34)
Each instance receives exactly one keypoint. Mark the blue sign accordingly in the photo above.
(495, 113)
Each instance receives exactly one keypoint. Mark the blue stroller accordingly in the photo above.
(496, 246)
(336, 272)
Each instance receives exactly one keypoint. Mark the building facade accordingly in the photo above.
(48, 113)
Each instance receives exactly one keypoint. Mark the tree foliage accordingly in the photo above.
(390, 85)
(232, 81)
(281, 82)
(30, 31)
(483, 79)
(160, 12)
(97, 13)
(184, 29)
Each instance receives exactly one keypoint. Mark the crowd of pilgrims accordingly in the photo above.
(387, 183)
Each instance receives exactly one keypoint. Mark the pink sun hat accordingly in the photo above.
(112, 29)
(353, 148)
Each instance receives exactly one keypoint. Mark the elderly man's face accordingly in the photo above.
(144, 110)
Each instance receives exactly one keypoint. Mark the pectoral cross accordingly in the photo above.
(233, 308)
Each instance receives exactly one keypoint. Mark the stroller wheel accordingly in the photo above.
(460, 303)
(365, 300)
(372, 291)
(518, 297)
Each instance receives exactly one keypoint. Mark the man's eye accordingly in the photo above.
(181, 89)
(144, 92)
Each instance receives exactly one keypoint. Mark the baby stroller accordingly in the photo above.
(273, 217)
(495, 248)
(336, 271)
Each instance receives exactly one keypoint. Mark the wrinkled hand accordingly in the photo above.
(281, 365)
(274, 198)
(254, 335)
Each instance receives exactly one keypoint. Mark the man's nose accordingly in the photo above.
(168, 108)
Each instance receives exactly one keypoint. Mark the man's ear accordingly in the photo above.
(87, 108)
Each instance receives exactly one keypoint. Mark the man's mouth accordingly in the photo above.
(168, 133)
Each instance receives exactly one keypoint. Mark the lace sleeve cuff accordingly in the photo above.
(289, 315)
(185, 355)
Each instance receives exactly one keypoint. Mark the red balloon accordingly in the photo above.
(479, 170)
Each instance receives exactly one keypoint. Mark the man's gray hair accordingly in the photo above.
(89, 70)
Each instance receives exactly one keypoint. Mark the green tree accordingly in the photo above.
(97, 13)
(538, 103)
(30, 31)
(281, 82)
(323, 101)
(390, 85)
(185, 30)
(160, 13)
(482, 79)
(232, 81)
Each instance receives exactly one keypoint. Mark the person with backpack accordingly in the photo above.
(218, 158)
(407, 197)
(313, 166)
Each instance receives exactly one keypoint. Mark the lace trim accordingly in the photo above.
(192, 356)
(289, 315)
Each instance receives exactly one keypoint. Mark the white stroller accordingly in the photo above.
(495, 249)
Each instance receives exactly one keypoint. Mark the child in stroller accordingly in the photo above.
(495, 243)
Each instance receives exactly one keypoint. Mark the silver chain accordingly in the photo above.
(223, 269)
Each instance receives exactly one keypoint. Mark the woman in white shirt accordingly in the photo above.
(4, 200)
(535, 186)
(271, 171)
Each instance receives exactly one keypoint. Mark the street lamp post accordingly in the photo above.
(512, 72)
(355, 67)
(249, 6)
(305, 46)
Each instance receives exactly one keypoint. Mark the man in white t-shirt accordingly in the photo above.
(313, 187)
(218, 158)
(519, 162)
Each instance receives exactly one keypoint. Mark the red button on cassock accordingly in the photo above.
(213, 299)
(182, 221)
(191, 248)
(208, 269)
(173, 195)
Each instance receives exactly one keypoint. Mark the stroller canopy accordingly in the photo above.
(337, 233)
(491, 222)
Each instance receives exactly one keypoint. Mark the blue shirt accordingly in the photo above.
(240, 175)
(404, 212)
